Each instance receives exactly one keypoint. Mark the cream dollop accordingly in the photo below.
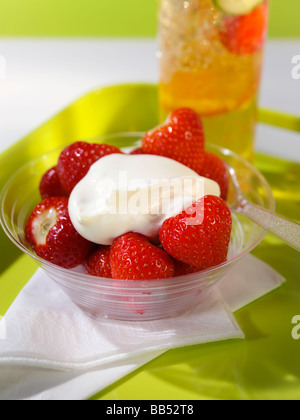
(133, 193)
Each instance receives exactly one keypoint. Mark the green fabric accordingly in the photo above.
(263, 366)
(117, 18)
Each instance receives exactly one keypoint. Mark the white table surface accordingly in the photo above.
(42, 76)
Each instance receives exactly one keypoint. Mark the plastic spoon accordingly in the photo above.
(285, 229)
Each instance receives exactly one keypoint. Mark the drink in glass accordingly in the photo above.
(211, 54)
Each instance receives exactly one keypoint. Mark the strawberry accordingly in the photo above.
(137, 151)
(199, 235)
(98, 264)
(133, 257)
(183, 269)
(245, 34)
(214, 168)
(50, 185)
(181, 138)
(51, 235)
(75, 161)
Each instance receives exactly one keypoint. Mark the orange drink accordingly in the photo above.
(211, 54)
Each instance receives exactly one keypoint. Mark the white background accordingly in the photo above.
(43, 76)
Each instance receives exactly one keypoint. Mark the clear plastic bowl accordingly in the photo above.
(133, 300)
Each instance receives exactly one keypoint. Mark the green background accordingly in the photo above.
(112, 18)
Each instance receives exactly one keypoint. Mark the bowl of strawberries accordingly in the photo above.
(134, 266)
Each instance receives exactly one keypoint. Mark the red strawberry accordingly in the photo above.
(98, 263)
(137, 151)
(245, 34)
(50, 185)
(181, 138)
(75, 161)
(214, 168)
(183, 269)
(52, 236)
(133, 257)
(199, 235)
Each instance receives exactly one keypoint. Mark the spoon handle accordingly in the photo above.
(281, 227)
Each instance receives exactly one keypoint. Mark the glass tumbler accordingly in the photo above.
(210, 59)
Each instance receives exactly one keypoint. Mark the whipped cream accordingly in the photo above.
(133, 193)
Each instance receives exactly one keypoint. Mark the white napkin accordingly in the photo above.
(51, 350)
